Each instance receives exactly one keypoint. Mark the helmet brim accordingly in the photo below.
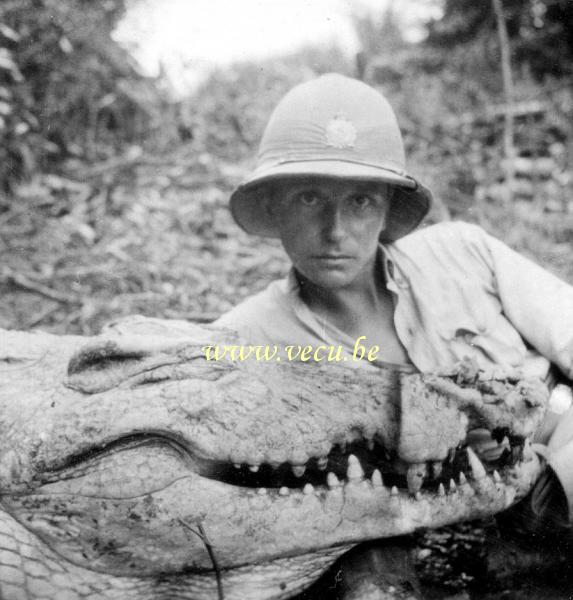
(410, 202)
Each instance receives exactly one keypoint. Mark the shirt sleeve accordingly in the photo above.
(540, 307)
(537, 303)
(249, 318)
(265, 318)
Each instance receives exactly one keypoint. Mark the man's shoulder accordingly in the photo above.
(442, 232)
(448, 236)
(256, 308)
(450, 247)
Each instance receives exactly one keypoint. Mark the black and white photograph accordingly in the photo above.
(286, 299)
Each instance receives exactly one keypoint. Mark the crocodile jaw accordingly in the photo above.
(30, 569)
(152, 534)
(128, 533)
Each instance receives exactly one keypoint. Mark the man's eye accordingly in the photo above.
(308, 198)
(361, 201)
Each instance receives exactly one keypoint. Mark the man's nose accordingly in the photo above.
(334, 225)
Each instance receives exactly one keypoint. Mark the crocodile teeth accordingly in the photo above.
(298, 470)
(322, 463)
(415, 477)
(476, 466)
(354, 471)
(462, 478)
(496, 477)
(527, 452)
(441, 490)
(370, 445)
(308, 489)
(453, 486)
(451, 455)
(437, 469)
(237, 465)
(376, 478)
(254, 468)
(516, 454)
(418, 496)
(332, 481)
(394, 491)
(262, 491)
(284, 491)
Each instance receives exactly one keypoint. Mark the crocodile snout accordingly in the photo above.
(113, 451)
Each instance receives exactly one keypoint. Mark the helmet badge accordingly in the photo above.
(340, 132)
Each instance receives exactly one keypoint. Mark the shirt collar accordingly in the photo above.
(387, 263)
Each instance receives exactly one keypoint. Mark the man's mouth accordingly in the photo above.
(333, 257)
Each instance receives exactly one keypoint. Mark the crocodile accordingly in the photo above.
(133, 466)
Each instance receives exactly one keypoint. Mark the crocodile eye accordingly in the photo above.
(124, 470)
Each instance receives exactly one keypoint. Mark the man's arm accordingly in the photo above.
(538, 304)
(540, 307)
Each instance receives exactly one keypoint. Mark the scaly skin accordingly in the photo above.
(117, 454)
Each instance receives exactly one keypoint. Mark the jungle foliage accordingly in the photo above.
(541, 31)
(118, 200)
(67, 89)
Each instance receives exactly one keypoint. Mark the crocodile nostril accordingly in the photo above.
(103, 365)
(100, 357)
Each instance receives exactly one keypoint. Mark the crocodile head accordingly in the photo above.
(132, 463)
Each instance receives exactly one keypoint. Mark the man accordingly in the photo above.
(331, 183)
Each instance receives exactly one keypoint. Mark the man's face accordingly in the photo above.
(330, 227)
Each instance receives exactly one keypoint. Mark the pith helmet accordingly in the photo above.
(338, 127)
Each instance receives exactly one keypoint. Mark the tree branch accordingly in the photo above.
(201, 534)
(9, 275)
(508, 135)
